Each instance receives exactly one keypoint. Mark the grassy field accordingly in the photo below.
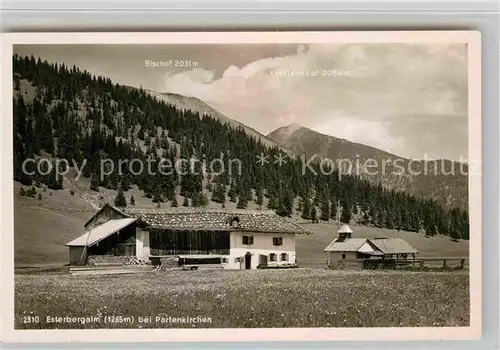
(303, 297)
(253, 298)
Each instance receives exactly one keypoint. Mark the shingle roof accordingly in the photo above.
(348, 245)
(393, 245)
(385, 245)
(100, 232)
(215, 219)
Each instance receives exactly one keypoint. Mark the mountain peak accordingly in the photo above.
(287, 130)
(293, 127)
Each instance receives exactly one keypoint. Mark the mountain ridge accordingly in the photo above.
(70, 114)
(204, 108)
(419, 177)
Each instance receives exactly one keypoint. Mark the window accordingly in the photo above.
(277, 240)
(247, 240)
(343, 256)
(223, 260)
(284, 257)
(235, 222)
(272, 257)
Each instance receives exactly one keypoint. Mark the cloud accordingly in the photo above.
(363, 131)
(375, 99)
(193, 82)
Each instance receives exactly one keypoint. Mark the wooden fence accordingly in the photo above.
(424, 263)
(420, 263)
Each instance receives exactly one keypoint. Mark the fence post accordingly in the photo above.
(421, 263)
(462, 262)
(444, 263)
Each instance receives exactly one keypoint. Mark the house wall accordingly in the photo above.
(335, 257)
(262, 245)
(142, 244)
(262, 240)
(75, 256)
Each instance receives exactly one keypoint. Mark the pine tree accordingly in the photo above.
(185, 202)
(380, 219)
(157, 197)
(174, 203)
(31, 192)
(284, 205)
(313, 214)
(346, 214)
(300, 205)
(288, 203)
(219, 194)
(272, 203)
(306, 211)
(204, 200)
(325, 210)
(465, 225)
(132, 200)
(140, 135)
(259, 196)
(94, 182)
(54, 179)
(333, 210)
(242, 202)
(232, 196)
(196, 199)
(389, 220)
(455, 234)
(120, 200)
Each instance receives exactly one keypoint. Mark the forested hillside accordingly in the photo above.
(64, 112)
(444, 180)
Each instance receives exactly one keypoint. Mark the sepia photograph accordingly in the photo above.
(258, 181)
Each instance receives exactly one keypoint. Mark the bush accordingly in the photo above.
(31, 192)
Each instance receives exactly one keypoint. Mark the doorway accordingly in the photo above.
(248, 261)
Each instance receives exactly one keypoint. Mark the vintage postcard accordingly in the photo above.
(241, 186)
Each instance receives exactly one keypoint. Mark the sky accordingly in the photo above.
(407, 99)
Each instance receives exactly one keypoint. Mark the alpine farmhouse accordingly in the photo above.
(233, 239)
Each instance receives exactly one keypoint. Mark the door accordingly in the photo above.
(248, 261)
(263, 260)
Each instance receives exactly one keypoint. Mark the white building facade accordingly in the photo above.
(229, 239)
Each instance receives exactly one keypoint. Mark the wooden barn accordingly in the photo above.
(347, 248)
(233, 239)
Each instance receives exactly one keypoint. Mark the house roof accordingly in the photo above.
(215, 219)
(344, 229)
(383, 245)
(107, 205)
(370, 249)
(393, 245)
(100, 232)
(348, 245)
